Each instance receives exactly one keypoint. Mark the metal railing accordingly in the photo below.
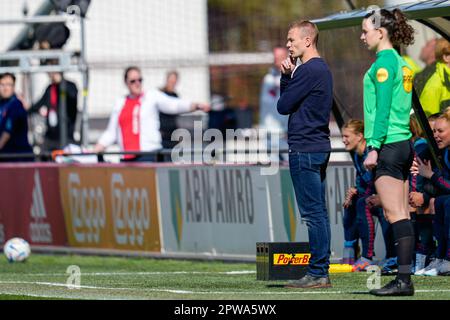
(162, 155)
(29, 61)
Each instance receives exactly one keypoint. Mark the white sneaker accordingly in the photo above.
(433, 270)
(444, 268)
(428, 268)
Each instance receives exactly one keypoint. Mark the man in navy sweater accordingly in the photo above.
(306, 96)
(13, 121)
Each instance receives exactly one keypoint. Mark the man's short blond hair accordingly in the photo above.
(307, 29)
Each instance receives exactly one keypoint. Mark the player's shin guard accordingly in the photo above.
(404, 242)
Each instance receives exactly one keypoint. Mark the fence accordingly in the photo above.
(160, 209)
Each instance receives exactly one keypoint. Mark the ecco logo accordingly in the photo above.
(87, 208)
(131, 212)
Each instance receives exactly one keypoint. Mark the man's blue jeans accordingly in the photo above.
(308, 172)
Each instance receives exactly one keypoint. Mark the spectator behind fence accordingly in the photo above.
(269, 118)
(49, 106)
(134, 122)
(244, 115)
(168, 122)
(221, 116)
(435, 96)
(13, 120)
(427, 56)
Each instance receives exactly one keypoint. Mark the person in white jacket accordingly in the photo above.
(134, 122)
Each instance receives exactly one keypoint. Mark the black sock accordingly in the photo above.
(404, 242)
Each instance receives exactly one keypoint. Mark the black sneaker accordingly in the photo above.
(309, 281)
(396, 287)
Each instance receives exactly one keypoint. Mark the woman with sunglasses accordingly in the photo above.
(387, 106)
(134, 122)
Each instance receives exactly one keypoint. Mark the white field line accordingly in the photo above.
(58, 296)
(293, 292)
(53, 284)
(145, 273)
(64, 285)
(32, 295)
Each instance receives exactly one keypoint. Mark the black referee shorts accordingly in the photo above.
(395, 160)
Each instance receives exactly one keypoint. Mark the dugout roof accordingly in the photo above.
(349, 59)
(433, 13)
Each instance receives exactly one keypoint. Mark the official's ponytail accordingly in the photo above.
(403, 32)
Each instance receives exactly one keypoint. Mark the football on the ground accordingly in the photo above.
(17, 250)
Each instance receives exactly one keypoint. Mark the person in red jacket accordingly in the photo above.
(134, 122)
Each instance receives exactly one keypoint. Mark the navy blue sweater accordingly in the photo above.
(307, 98)
(13, 120)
